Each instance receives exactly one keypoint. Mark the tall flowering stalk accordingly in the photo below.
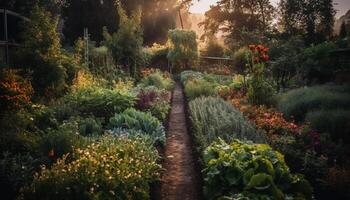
(258, 91)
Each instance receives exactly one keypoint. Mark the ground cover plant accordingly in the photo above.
(110, 168)
(238, 170)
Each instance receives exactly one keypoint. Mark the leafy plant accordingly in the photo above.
(100, 102)
(110, 168)
(183, 50)
(16, 171)
(253, 171)
(64, 140)
(213, 117)
(159, 80)
(297, 103)
(335, 122)
(199, 87)
(15, 91)
(139, 121)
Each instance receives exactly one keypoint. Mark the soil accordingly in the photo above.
(180, 180)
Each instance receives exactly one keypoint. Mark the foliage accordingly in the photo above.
(241, 59)
(317, 63)
(199, 87)
(16, 171)
(139, 121)
(253, 171)
(159, 80)
(213, 48)
(297, 103)
(15, 91)
(111, 168)
(259, 90)
(64, 140)
(42, 54)
(311, 19)
(100, 102)
(269, 120)
(189, 75)
(338, 182)
(213, 117)
(154, 100)
(236, 17)
(335, 122)
(126, 43)
(183, 50)
(286, 59)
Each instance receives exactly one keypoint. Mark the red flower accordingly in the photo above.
(51, 153)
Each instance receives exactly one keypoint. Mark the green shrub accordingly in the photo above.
(100, 102)
(250, 171)
(297, 103)
(111, 168)
(335, 122)
(241, 58)
(16, 171)
(189, 75)
(90, 127)
(183, 50)
(260, 92)
(213, 117)
(58, 142)
(139, 121)
(199, 87)
(159, 80)
(318, 65)
(160, 110)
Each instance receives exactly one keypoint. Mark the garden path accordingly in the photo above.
(180, 180)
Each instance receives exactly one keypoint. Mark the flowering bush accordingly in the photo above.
(269, 120)
(15, 90)
(112, 168)
(259, 90)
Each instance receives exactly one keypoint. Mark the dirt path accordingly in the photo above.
(180, 181)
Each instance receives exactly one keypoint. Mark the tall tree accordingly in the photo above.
(343, 32)
(41, 53)
(237, 16)
(312, 19)
(126, 43)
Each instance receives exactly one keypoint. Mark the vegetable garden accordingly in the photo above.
(129, 113)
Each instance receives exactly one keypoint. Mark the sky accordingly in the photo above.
(342, 6)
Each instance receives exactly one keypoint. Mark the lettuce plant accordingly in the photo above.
(250, 171)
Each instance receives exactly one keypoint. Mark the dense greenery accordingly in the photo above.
(250, 171)
(139, 121)
(213, 117)
(183, 52)
(110, 168)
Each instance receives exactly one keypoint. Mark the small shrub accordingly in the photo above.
(335, 122)
(139, 121)
(90, 127)
(297, 103)
(15, 91)
(58, 142)
(16, 171)
(250, 171)
(100, 102)
(189, 75)
(159, 80)
(338, 183)
(199, 87)
(213, 117)
(160, 110)
(111, 168)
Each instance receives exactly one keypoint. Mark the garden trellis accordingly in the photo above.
(9, 21)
